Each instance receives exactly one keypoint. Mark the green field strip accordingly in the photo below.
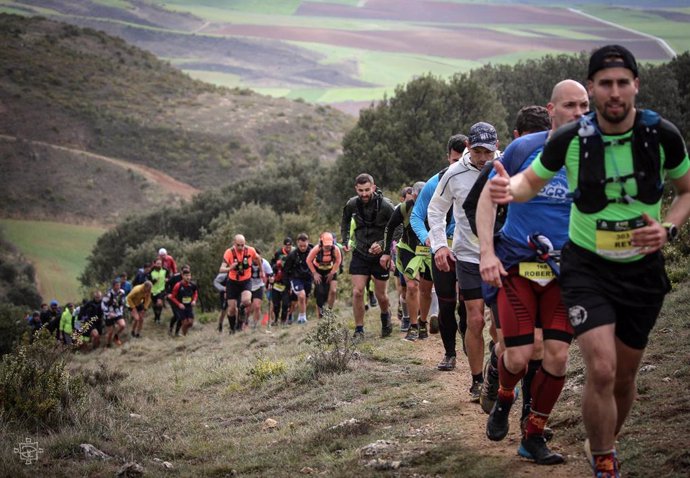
(675, 33)
(224, 15)
(327, 95)
(340, 95)
(57, 251)
(274, 92)
(22, 9)
(282, 7)
(340, 2)
(14, 11)
(123, 4)
(512, 58)
(228, 80)
(388, 68)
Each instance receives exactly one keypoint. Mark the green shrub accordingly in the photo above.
(37, 388)
(265, 369)
(12, 326)
(332, 347)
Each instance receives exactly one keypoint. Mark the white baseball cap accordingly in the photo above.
(162, 251)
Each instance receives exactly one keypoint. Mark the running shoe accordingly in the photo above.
(412, 334)
(475, 391)
(489, 391)
(433, 324)
(423, 332)
(497, 425)
(117, 340)
(372, 301)
(446, 364)
(358, 336)
(534, 448)
(604, 467)
(405, 324)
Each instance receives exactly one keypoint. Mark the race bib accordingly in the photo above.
(538, 272)
(422, 250)
(186, 300)
(614, 238)
(279, 287)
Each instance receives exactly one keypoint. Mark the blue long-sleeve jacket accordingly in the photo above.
(418, 217)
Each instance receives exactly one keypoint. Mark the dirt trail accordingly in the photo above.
(454, 389)
(168, 183)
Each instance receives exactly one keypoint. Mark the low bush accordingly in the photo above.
(36, 387)
(332, 346)
(265, 369)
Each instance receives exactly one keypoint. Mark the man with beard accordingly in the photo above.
(612, 274)
(371, 212)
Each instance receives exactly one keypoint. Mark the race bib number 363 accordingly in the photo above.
(614, 238)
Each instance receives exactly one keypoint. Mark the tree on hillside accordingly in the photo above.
(402, 139)
(680, 66)
(530, 82)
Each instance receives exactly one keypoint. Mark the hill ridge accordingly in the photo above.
(167, 182)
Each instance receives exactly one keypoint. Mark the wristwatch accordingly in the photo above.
(671, 231)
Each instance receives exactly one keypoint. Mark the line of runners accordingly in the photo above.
(576, 254)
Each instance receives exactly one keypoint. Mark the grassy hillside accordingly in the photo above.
(86, 90)
(57, 251)
(204, 404)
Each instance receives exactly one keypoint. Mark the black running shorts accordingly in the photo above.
(364, 266)
(598, 292)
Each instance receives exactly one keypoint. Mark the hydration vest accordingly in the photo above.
(243, 264)
(324, 259)
(590, 194)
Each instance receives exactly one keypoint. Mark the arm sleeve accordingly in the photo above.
(132, 297)
(418, 216)
(345, 223)
(218, 282)
(268, 270)
(439, 205)
(288, 266)
(105, 303)
(173, 294)
(472, 199)
(395, 220)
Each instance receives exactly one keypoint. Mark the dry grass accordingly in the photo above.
(194, 403)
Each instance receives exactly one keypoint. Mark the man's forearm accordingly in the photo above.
(486, 218)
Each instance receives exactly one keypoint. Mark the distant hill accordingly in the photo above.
(86, 91)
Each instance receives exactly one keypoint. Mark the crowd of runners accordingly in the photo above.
(557, 237)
